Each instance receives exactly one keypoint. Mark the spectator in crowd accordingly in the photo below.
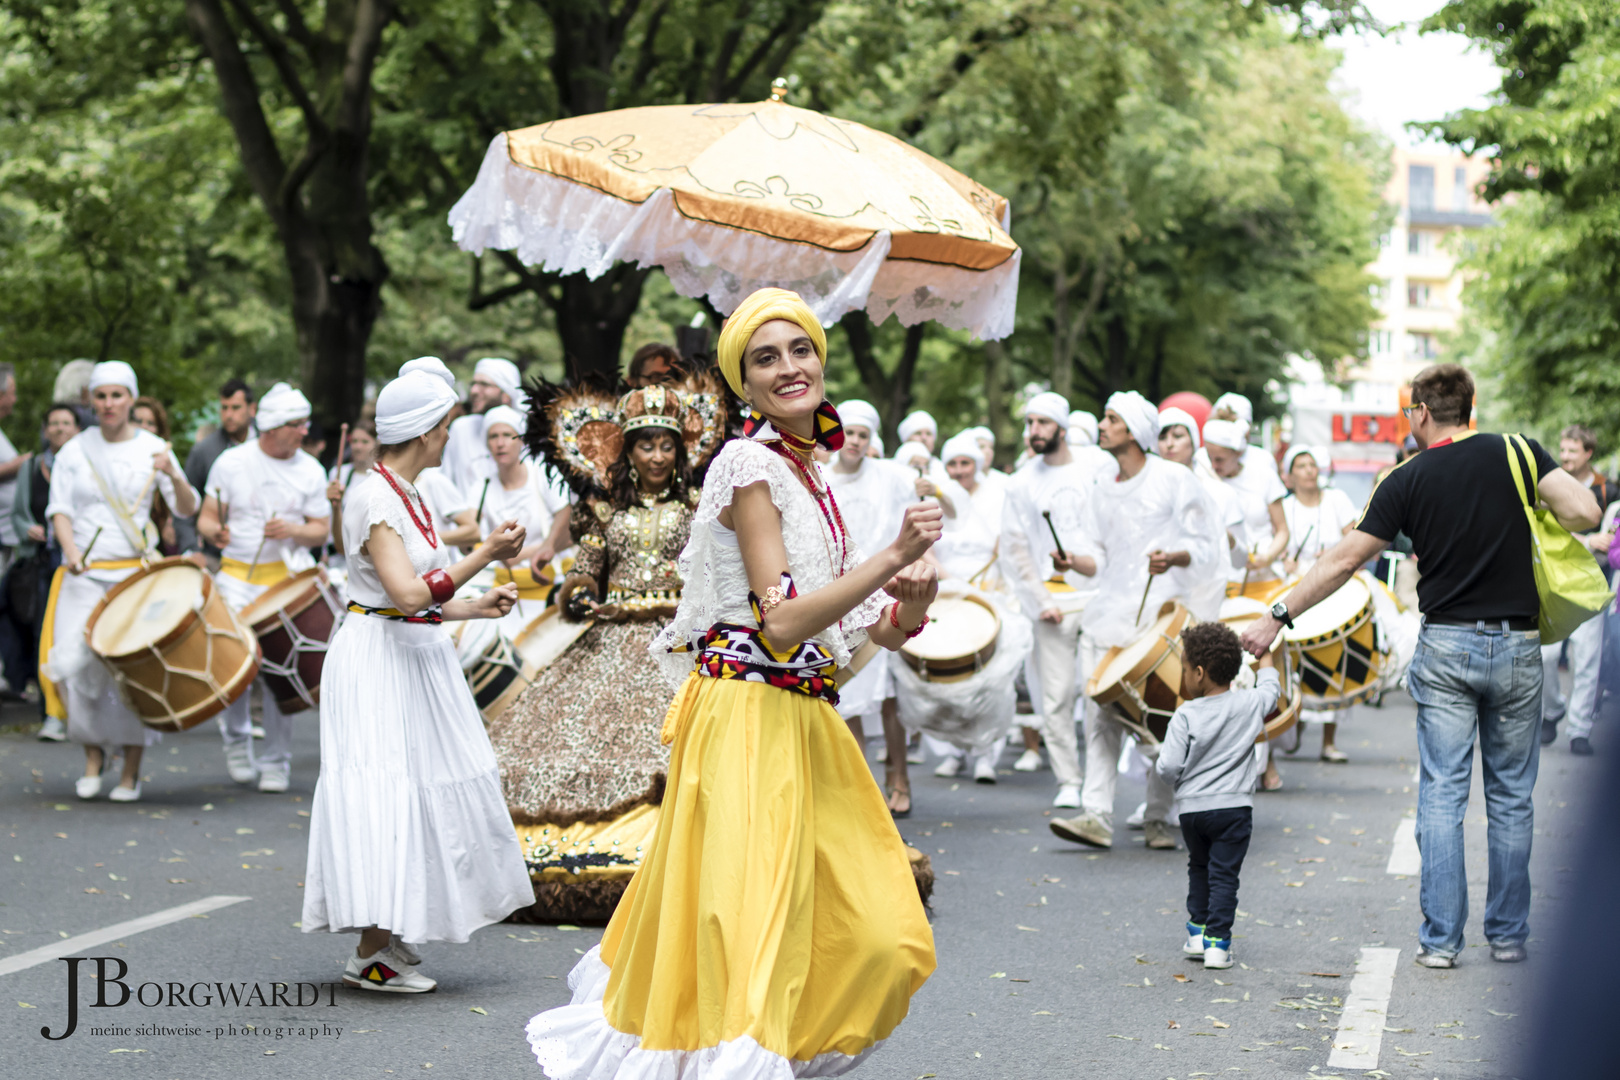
(11, 465)
(236, 412)
(37, 557)
(150, 415)
(654, 364)
(72, 388)
(1576, 445)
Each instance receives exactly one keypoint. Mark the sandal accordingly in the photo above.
(1334, 755)
(890, 791)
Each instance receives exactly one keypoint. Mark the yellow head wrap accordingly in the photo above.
(758, 309)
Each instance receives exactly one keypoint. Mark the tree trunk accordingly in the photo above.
(997, 396)
(592, 317)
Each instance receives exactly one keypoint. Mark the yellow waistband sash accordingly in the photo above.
(54, 704)
(529, 586)
(1058, 585)
(265, 573)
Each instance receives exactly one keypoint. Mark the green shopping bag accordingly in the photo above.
(1568, 580)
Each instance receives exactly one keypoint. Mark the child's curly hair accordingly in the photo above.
(1214, 647)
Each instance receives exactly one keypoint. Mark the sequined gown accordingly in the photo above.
(581, 763)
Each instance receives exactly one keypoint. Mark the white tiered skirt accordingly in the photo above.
(409, 831)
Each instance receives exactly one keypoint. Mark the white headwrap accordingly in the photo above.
(856, 411)
(280, 405)
(965, 446)
(429, 365)
(1082, 428)
(1232, 434)
(410, 406)
(877, 444)
(1318, 455)
(504, 374)
(1172, 417)
(911, 453)
(505, 414)
(114, 373)
(1241, 407)
(1139, 415)
(917, 421)
(1050, 405)
(981, 432)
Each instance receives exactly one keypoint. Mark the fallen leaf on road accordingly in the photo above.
(1179, 977)
(566, 926)
(1323, 840)
(1400, 1031)
(244, 832)
(1031, 929)
(1223, 1001)
(25, 1005)
(133, 1051)
(1147, 982)
(1217, 1023)
(1506, 1016)
(92, 889)
(1018, 980)
(1042, 1012)
(1127, 1038)
(999, 975)
(1160, 1046)
(1325, 974)
(1172, 1024)
(1413, 1053)
(178, 881)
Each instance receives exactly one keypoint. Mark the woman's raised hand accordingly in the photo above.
(505, 542)
(917, 584)
(919, 531)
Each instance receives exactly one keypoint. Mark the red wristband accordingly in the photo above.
(440, 586)
(894, 621)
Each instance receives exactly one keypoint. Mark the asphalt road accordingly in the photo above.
(1054, 961)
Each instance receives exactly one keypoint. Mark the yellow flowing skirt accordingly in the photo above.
(773, 929)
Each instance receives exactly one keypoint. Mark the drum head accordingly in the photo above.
(1117, 664)
(548, 637)
(294, 591)
(148, 607)
(473, 637)
(1334, 612)
(958, 626)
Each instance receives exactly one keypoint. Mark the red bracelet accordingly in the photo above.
(440, 585)
(894, 621)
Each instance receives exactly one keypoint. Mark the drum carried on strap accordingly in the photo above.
(495, 673)
(1239, 612)
(1144, 678)
(294, 620)
(1334, 647)
(958, 641)
(177, 651)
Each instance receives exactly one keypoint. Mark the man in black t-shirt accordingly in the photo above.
(1478, 655)
(1576, 445)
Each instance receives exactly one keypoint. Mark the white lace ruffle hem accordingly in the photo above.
(568, 228)
(575, 1042)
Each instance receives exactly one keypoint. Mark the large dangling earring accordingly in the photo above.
(635, 477)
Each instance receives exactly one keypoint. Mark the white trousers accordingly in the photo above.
(1056, 646)
(236, 727)
(1585, 660)
(1104, 736)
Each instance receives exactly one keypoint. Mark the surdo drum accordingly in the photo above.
(1240, 612)
(1334, 647)
(958, 641)
(1144, 678)
(177, 652)
(294, 620)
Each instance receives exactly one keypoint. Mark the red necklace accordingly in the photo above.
(426, 529)
(788, 449)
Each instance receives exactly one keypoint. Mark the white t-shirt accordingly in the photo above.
(1026, 539)
(8, 494)
(1314, 529)
(872, 500)
(444, 497)
(531, 504)
(126, 468)
(1257, 487)
(253, 487)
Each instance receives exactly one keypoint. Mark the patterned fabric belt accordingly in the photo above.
(730, 651)
(265, 573)
(433, 615)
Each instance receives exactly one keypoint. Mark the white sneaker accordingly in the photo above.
(1068, 797)
(256, 731)
(948, 768)
(87, 787)
(1137, 815)
(124, 794)
(387, 971)
(274, 778)
(1216, 957)
(52, 730)
(1029, 761)
(239, 763)
(1194, 946)
(984, 770)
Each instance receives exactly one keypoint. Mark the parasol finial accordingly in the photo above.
(779, 89)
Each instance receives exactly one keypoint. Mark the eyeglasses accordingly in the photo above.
(1407, 410)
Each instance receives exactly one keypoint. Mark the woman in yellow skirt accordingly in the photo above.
(773, 929)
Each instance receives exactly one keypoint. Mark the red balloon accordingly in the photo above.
(1195, 405)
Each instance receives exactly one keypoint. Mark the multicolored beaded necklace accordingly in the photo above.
(797, 452)
(425, 529)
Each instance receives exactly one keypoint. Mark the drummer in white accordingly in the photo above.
(264, 509)
(1045, 496)
(1178, 442)
(872, 496)
(466, 456)
(1146, 538)
(1318, 518)
(100, 511)
(519, 490)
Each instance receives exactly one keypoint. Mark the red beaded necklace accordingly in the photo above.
(425, 529)
(790, 449)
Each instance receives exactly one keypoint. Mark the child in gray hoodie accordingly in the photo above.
(1208, 757)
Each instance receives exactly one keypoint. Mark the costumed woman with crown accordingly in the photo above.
(773, 928)
(581, 761)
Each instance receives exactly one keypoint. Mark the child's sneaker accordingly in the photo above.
(1195, 941)
(1217, 953)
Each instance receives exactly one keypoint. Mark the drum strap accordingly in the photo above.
(266, 573)
(433, 615)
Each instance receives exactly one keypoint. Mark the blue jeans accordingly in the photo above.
(1464, 679)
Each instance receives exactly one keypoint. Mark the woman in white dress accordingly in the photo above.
(1318, 517)
(409, 837)
(101, 511)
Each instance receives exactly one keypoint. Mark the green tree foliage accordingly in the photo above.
(1545, 290)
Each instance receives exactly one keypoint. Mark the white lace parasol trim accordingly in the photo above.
(575, 1042)
(568, 228)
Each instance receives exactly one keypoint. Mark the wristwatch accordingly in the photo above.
(1279, 611)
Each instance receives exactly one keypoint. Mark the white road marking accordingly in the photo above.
(1404, 857)
(1366, 1007)
(46, 954)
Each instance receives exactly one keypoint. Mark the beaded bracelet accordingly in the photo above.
(440, 586)
(894, 621)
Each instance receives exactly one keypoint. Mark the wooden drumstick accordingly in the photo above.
(84, 556)
(478, 518)
(254, 565)
(1145, 589)
(343, 444)
(1047, 514)
(1244, 588)
(1302, 543)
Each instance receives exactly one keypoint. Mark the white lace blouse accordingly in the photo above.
(715, 583)
(365, 504)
